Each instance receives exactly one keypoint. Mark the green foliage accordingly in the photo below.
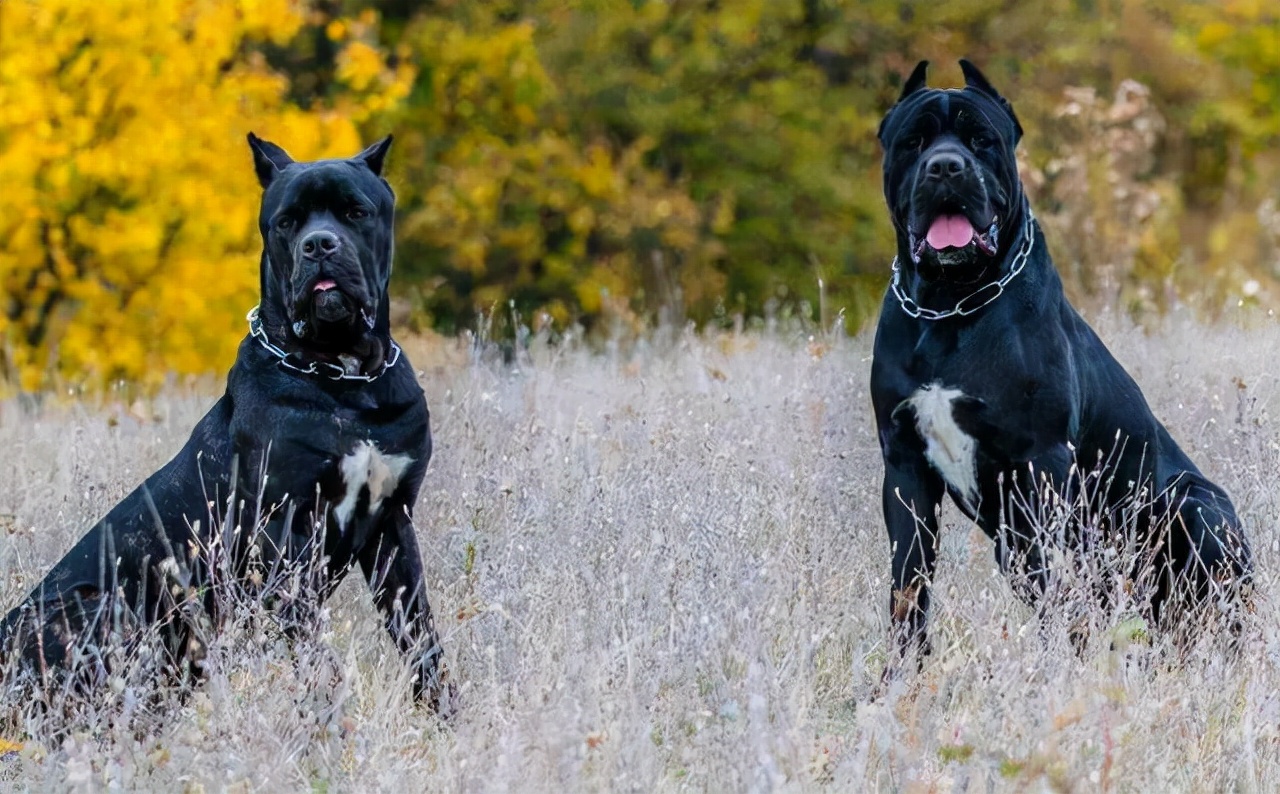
(500, 200)
(606, 156)
(960, 753)
(604, 161)
(629, 156)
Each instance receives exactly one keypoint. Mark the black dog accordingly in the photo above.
(314, 453)
(988, 385)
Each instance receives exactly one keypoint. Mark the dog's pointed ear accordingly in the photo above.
(375, 154)
(916, 81)
(975, 79)
(268, 159)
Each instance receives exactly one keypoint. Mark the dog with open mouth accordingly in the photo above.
(988, 386)
(308, 465)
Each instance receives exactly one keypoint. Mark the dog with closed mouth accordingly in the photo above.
(310, 462)
(988, 386)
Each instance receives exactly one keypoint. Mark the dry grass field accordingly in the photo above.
(662, 566)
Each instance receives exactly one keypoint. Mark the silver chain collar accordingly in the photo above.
(322, 368)
(961, 309)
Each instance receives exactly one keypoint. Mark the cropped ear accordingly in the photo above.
(268, 159)
(375, 154)
(976, 80)
(916, 81)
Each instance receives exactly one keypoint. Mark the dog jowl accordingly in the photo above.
(988, 386)
(308, 466)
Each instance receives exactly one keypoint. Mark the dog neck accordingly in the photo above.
(367, 352)
(933, 292)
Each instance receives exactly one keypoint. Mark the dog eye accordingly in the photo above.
(284, 223)
(357, 213)
(912, 141)
(980, 142)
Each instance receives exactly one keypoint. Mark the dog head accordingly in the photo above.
(950, 175)
(327, 246)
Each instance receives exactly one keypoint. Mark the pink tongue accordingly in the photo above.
(321, 286)
(950, 231)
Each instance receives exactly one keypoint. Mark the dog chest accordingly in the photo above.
(950, 450)
(369, 476)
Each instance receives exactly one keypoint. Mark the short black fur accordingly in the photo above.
(325, 444)
(1022, 377)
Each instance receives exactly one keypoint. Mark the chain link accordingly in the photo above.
(962, 309)
(330, 371)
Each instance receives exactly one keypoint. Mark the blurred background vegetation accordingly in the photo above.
(608, 163)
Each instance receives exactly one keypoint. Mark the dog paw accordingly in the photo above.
(437, 692)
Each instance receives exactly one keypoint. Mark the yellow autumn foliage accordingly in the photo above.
(597, 161)
(128, 208)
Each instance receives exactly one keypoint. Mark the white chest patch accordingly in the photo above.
(365, 470)
(948, 448)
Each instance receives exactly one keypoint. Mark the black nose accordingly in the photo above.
(944, 165)
(321, 243)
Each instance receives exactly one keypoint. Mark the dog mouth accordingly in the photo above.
(952, 236)
(325, 304)
(329, 304)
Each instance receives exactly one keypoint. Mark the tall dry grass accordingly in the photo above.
(663, 567)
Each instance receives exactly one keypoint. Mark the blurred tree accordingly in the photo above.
(589, 160)
(633, 156)
(503, 200)
(755, 119)
(129, 210)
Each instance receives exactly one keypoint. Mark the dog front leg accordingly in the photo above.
(1033, 495)
(393, 567)
(912, 493)
(1204, 556)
